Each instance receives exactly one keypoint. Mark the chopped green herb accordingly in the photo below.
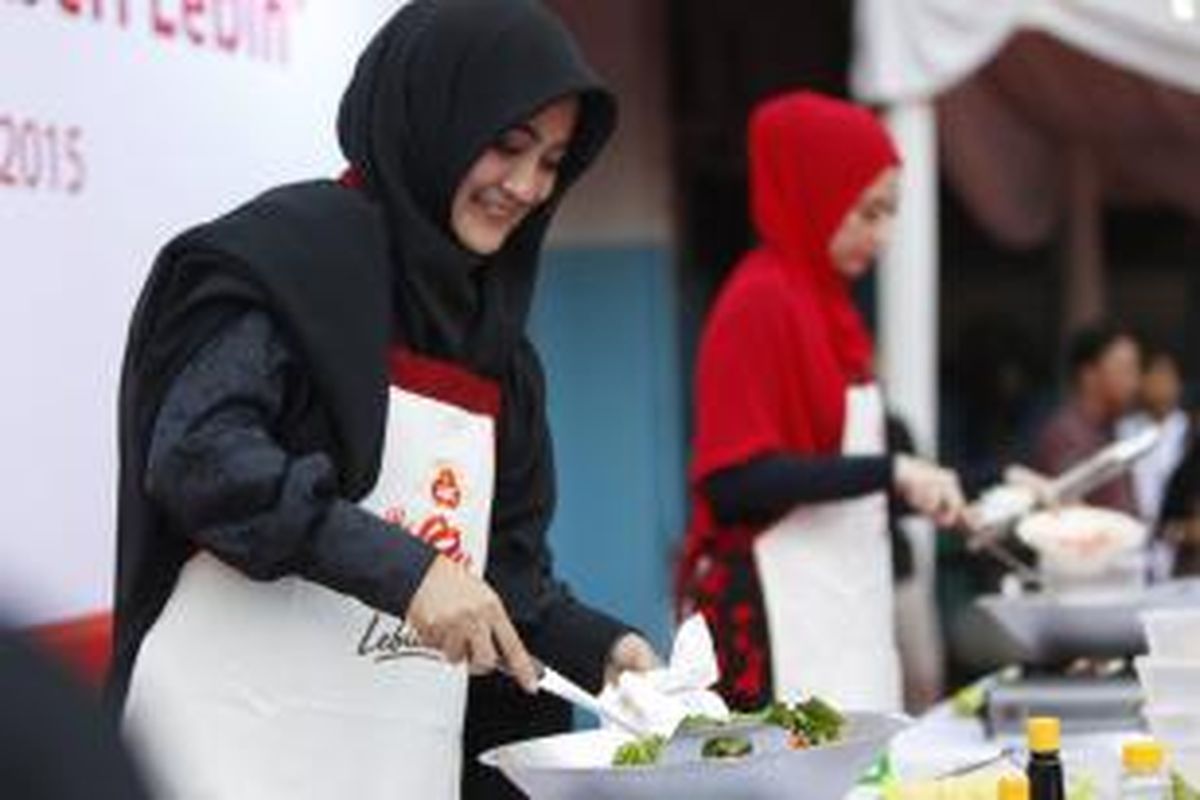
(640, 752)
(810, 723)
(727, 747)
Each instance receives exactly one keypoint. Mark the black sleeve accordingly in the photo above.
(575, 638)
(223, 479)
(764, 489)
(567, 634)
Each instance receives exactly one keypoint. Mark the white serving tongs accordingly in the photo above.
(553, 682)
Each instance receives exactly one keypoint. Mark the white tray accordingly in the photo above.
(1046, 628)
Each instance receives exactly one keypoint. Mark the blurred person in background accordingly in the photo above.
(787, 552)
(918, 631)
(55, 744)
(336, 466)
(1103, 362)
(1180, 521)
(1162, 405)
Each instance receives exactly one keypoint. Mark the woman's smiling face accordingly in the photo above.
(514, 175)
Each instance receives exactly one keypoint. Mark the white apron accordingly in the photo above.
(826, 577)
(245, 690)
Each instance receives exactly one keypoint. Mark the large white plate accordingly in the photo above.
(575, 766)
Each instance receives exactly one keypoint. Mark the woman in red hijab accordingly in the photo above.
(787, 554)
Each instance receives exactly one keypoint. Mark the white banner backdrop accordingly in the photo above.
(122, 122)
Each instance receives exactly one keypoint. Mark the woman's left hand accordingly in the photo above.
(631, 652)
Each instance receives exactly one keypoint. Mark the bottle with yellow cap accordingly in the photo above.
(1045, 764)
(1012, 787)
(1143, 776)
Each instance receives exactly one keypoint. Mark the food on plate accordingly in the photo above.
(808, 724)
(727, 747)
(1081, 539)
(639, 752)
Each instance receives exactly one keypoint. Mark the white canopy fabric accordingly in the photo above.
(1005, 94)
(913, 49)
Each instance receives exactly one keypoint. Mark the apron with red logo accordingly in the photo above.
(287, 690)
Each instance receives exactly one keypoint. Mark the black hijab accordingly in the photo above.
(439, 83)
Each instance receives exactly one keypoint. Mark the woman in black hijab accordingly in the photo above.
(336, 472)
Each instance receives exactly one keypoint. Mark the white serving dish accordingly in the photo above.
(1048, 627)
(576, 766)
(1083, 542)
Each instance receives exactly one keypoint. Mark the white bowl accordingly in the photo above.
(576, 766)
(1170, 683)
(1173, 632)
(1173, 724)
(1081, 540)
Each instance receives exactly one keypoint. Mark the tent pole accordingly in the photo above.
(908, 314)
(908, 278)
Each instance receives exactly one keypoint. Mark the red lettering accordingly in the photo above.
(192, 11)
(163, 26)
(225, 22)
(274, 32)
(72, 7)
(40, 156)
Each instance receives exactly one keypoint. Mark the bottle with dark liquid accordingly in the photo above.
(1045, 764)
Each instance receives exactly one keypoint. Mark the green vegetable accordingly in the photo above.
(727, 747)
(640, 752)
(1083, 787)
(810, 723)
(814, 721)
(879, 774)
(969, 701)
(1180, 790)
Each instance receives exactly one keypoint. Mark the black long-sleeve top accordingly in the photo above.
(764, 489)
(218, 471)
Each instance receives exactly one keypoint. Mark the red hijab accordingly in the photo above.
(784, 341)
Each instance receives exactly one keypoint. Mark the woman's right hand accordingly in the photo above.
(930, 489)
(459, 614)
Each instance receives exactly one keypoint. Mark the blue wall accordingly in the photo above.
(605, 322)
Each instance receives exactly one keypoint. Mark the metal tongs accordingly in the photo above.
(552, 682)
(987, 524)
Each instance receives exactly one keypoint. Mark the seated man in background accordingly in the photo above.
(1104, 364)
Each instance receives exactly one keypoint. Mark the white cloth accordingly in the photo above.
(290, 691)
(660, 699)
(1152, 473)
(912, 49)
(826, 577)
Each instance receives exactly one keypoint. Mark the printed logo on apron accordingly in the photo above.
(290, 690)
(826, 578)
